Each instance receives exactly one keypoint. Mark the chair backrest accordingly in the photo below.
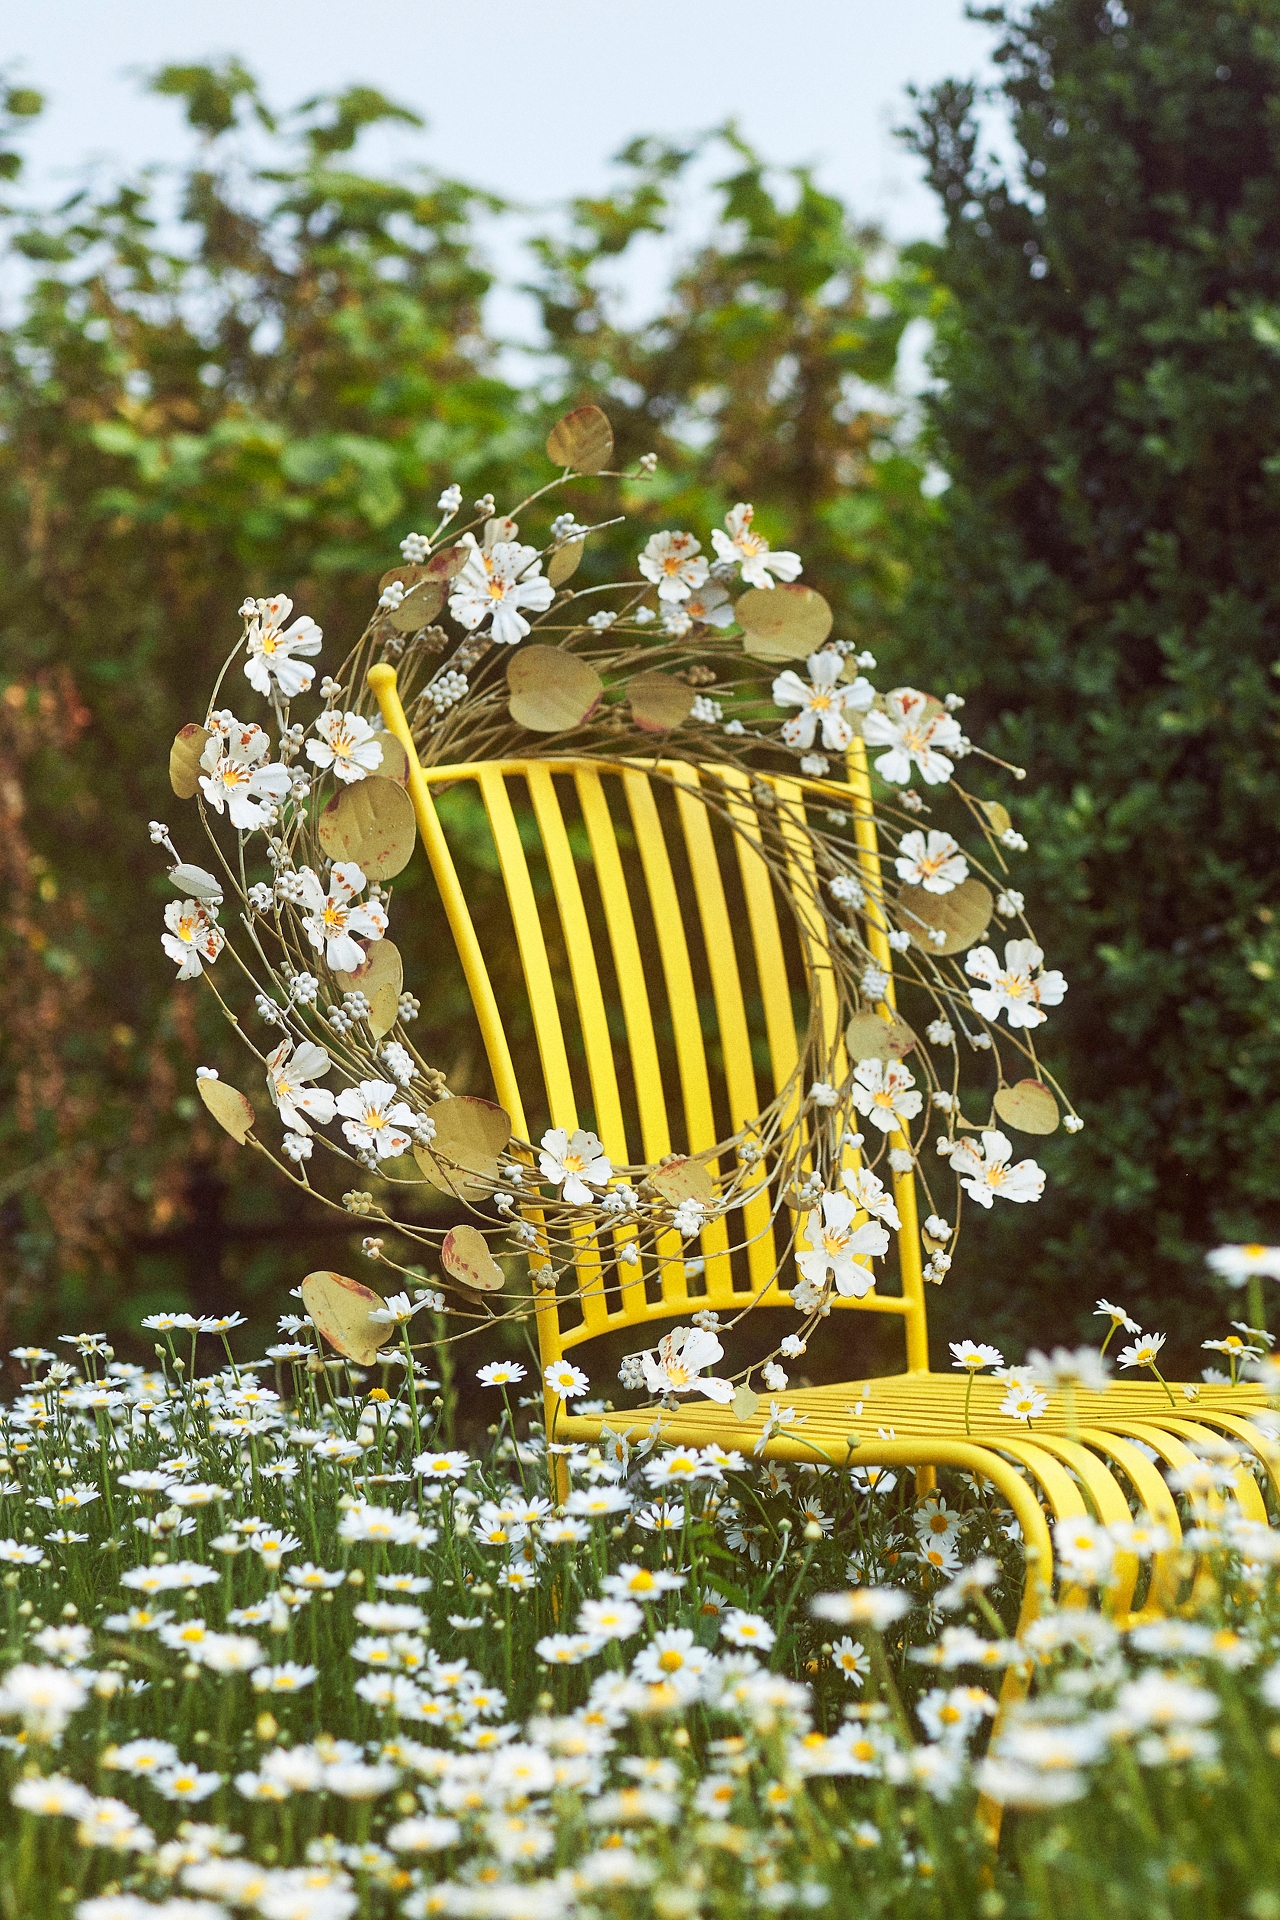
(704, 1022)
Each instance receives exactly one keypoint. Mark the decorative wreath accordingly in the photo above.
(309, 819)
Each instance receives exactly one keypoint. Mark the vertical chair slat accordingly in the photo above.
(875, 924)
(731, 1012)
(589, 999)
(580, 948)
(642, 1040)
(547, 1025)
(533, 950)
(682, 998)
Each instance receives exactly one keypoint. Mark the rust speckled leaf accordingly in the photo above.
(372, 823)
(184, 759)
(583, 440)
(466, 1256)
(229, 1107)
(340, 1310)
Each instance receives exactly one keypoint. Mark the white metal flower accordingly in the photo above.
(823, 702)
(868, 1190)
(679, 1357)
(333, 918)
(289, 1067)
(986, 1174)
(917, 732)
(1018, 988)
(194, 937)
(711, 605)
(885, 1092)
(274, 653)
(933, 861)
(346, 744)
(574, 1165)
(744, 547)
(837, 1247)
(500, 582)
(236, 774)
(675, 562)
(375, 1120)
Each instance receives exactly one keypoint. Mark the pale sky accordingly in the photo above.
(528, 99)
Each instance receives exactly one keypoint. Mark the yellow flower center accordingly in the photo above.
(671, 1661)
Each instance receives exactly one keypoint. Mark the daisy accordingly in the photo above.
(569, 1382)
(1019, 988)
(500, 1373)
(288, 1068)
(822, 702)
(1118, 1318)
(332, 919)
(974, 1356)
(915, 733)
(574, 1164)
(675, 562)
(750, 550)
(674, 1656)
(237, 776)
(985, 1174)
(194, 937)
(375, 1119)
(509, 576)
(883, 1091)
(1143, 1352)
(1236, 1263)
(346, 744)
(186, 1784)
(273, 653)
(932, 861)
(849, 1658)
(742, 1629)
(837, 1247)
(632, 1582)
(1024, 1403)
(673, 1366)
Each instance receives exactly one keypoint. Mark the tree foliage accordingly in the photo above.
(1103, 585)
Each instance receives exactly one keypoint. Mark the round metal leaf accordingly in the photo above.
(394, 764)
(372, 823)
(465, 1254)
(450, 560)
(659, 703)
(997, 815)
(382, 968)
(583, 440)
(551, 689)
(961, 916)
(684, 1180)
(565, 561)
(229, 1108)
(340, 1310)
(470, 1135)
(868, 1037)
(419, 608)
(1029, 1106)
(408, 575)
(784, 622)
(384, 1010)
(184, 759)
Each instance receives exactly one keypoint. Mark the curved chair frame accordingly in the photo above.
(1088, 1451)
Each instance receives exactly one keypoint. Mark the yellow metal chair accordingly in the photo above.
(1087, 1450)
